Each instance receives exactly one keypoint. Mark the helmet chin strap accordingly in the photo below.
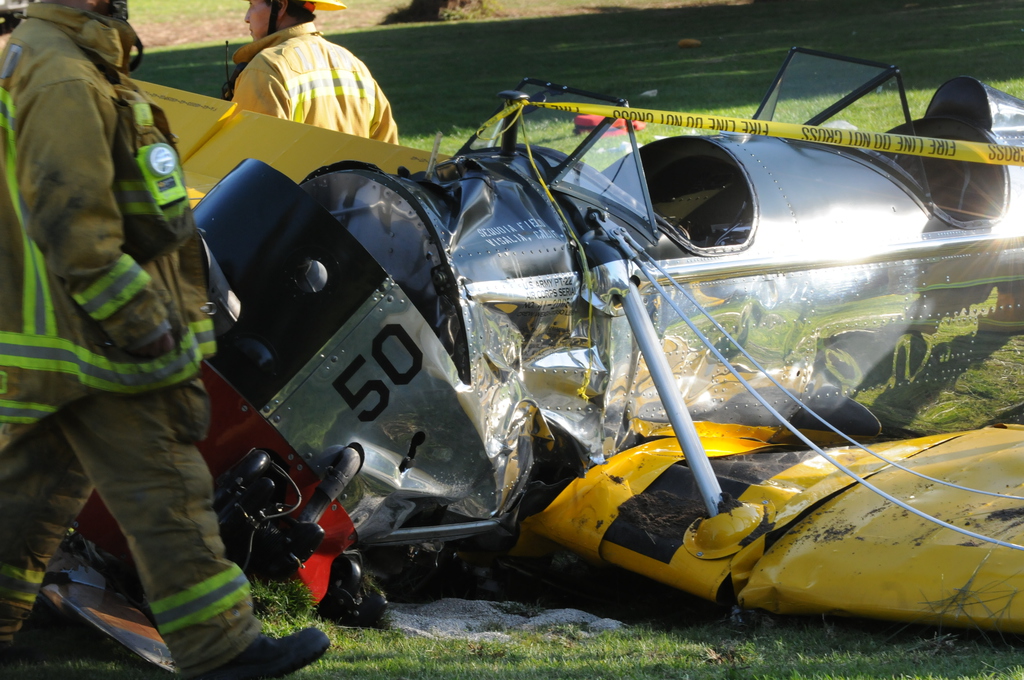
(137, 59)
(275, 7)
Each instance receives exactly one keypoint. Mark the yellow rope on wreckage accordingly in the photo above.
(949, 149)
(588, 280)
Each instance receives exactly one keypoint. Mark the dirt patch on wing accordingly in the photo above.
(1014, 517)
(1007, 514)
(830, 534)
(835, 533)
(662, 513)
(727, 503)
(760, 530)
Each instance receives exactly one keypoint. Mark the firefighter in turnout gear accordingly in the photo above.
(102, 331)
(290, 71)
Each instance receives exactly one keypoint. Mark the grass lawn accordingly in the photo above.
(367, 13)
(768, 647)
(444, 77)
(690, 641)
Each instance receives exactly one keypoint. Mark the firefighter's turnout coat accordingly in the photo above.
(298, 75)
(99, 254)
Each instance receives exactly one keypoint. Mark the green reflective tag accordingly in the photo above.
(143, 113)
(162, 173)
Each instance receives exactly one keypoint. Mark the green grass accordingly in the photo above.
(187, 11)
(445, 77)
(761, 647)
(366, 13)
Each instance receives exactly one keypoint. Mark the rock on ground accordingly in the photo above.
(479, 620)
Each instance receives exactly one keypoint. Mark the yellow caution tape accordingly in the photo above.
(974, 152)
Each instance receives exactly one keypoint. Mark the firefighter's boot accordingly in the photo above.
(270, 658)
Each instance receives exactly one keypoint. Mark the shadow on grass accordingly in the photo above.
(440, 76)
(77, 652)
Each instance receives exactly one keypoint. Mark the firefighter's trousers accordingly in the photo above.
(139, 454)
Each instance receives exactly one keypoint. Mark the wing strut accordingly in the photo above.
(728, 521)
(653, 353)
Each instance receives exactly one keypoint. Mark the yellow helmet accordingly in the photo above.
(316, 5)
(325, 5)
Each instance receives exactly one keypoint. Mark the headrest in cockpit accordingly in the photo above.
(963, 98)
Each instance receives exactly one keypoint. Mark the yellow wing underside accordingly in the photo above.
(834, 546)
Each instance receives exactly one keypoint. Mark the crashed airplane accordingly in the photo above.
(775, 373)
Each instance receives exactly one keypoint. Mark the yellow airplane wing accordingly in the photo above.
(214, 136)
(826, 544)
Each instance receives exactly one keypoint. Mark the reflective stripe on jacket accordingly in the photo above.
(298, 75)
(86, 273)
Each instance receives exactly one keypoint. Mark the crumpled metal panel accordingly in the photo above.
(527, 328)
(81, 593)
(495, 257)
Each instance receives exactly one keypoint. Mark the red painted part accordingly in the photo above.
(339, 535)
(586, 123)
(237, 428)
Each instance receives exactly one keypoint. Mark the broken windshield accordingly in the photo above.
(582, 153)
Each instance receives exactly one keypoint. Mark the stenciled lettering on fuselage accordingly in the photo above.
(525, 231)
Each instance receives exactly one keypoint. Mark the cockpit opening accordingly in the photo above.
(701, 195)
